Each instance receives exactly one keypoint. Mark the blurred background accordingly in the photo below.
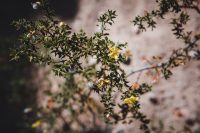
(18, 89)
(172, 105)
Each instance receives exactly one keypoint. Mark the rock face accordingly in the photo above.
(178, 95)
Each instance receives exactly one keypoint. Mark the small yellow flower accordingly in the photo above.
(36, 124)
(114, 53)
(61, 24)
(131, 100)
(103, 82)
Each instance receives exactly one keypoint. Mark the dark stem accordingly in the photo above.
(143, 69)
(192, 7)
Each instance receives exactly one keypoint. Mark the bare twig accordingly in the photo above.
(192, 7)
(139, 75)
(144, 69)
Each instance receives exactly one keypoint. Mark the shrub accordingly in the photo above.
(48, 41)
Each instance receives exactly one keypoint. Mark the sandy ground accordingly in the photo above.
(178, 99)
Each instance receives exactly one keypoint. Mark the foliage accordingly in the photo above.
(48, 41)
(181, 18)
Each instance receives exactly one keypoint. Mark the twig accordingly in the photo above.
(192, 7)
(139, 75)
(143, 69)
(196, 8)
